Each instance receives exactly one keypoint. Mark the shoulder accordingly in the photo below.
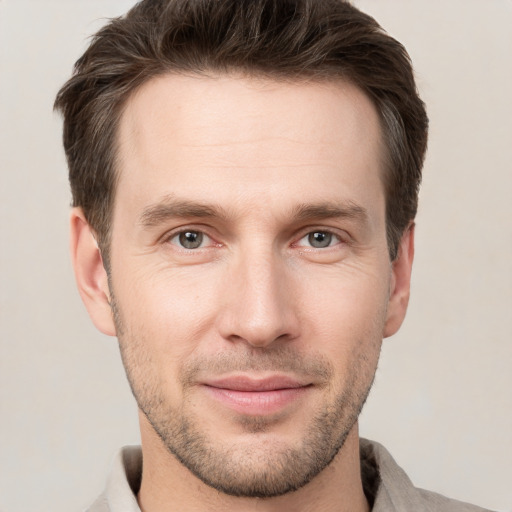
(390, 489)
(441, 503)
(120, 494)
(100, 505)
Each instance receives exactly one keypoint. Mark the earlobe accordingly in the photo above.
(90, 274)
(400, 283)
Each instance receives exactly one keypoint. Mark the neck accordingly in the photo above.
(167, 484)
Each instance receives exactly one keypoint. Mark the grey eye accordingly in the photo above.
(190, 239)
(319, 239)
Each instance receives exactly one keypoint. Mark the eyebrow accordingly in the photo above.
(170, 207)
(331, 210)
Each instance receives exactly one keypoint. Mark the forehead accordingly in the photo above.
(251, 133)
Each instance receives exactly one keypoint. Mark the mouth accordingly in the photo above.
(256, 396)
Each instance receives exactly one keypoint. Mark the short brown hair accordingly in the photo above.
(279, 39)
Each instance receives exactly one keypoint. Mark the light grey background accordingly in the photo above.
(442, 401)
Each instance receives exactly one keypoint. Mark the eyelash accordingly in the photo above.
(177, 234)
(331, 234)
(331, 237)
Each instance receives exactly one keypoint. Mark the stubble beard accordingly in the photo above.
(238, 470)
(263, 469)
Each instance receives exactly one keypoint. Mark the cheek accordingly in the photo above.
(346, 311)
(340, 309)
(170, 308)
(351, 296)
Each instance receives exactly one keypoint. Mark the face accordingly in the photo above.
(250, 276)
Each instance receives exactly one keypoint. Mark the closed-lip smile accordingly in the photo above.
(256, 396)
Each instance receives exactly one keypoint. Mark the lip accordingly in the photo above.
(256, 396)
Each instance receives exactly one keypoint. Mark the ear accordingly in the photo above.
(400, 283)
(90, 274)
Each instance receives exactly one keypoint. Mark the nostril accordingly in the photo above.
(257, 306)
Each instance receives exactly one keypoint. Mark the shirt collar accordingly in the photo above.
(386, 485)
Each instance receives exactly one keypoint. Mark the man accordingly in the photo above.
(245, 178)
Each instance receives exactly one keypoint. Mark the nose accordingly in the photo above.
(258, 301)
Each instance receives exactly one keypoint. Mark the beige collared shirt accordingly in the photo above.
(385, 484)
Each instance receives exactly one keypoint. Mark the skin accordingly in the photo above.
(255, 167)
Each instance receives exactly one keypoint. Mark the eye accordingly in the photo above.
(319, 239)
(190, 239)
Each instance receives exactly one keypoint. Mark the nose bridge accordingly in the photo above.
(259, 308)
